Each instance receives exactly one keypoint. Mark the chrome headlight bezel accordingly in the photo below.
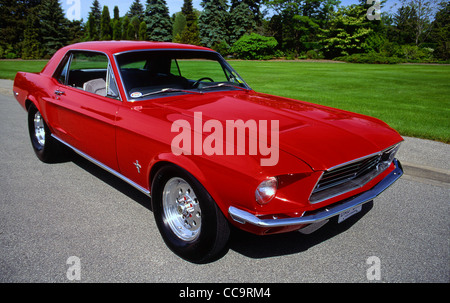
(266, 190)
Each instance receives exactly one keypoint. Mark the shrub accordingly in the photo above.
(414, 53)
(370, 58)
(254, 47)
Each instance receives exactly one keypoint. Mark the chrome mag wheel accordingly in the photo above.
(39, 129)
(182, 209)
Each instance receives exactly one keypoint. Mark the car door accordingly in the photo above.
(85, 104)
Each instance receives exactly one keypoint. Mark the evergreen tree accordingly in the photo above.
(159, 25)
(188, 11)
(133, 28)
(116, 13)
(125, 25)
(54, 31)
(13, 23)
(76, 31)
(97, 14)
(190, 33)
(213, 23)
(405, 22)
(136, 10)
(441, 32)
(143, 31)
(92, 33)
(93, 29)
(117, 30)
(254, 6)
(105, 24)
(241, 22)
(31, 48)
(179, 22)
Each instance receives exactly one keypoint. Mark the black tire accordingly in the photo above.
(47, 148)
(212, 235)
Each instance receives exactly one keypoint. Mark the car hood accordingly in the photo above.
(320, 136)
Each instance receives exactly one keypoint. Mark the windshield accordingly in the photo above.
(150, 74)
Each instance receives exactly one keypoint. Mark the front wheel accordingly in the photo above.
(188, 218)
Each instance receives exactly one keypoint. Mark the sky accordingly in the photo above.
(77, 9)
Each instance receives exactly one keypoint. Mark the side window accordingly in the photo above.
(111, 86)
(89, 71)
(174, 68)
(62, 78)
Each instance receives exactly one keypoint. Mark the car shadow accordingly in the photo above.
(112, 181)
(259, 247)
(247, 244)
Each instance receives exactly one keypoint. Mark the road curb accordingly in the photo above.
(426, 172)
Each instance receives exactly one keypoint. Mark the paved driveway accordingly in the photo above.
(49, 213)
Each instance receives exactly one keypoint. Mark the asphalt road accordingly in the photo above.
(49, 213)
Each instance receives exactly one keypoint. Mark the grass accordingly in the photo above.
(9, 68)
(413, 99)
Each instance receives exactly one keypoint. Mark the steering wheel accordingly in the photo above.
(196, 83)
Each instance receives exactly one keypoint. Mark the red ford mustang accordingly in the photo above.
(179, 124)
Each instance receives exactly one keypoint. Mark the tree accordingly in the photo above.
(76, 31)
(242, 22)
(179, 23)
(254, 6)
(136, 10)
(116, 25)
(421, 15)
(105, 25)
(31, 48)
(404, 23)
(298, 23)
(347, 32)
(143, 31)
(441, 32)
(117, 30)
(159, 25)
(189, 33)
(13, 23)
(125, 25)
(53, 27)
(133, 28)
(97, 14)
(116, 13)
(213, 23)
(93, 24)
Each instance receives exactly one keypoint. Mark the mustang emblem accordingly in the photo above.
(138, 166)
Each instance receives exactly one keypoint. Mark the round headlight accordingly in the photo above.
(266, 190)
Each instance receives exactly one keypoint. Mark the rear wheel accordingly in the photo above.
(188, 218)
(47, 149)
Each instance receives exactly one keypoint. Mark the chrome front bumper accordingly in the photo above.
(244, 217)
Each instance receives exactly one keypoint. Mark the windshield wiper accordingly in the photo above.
(168, 90)
(224, 85)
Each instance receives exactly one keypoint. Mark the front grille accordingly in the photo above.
(352, 175)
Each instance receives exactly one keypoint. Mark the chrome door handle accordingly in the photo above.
(59, 92)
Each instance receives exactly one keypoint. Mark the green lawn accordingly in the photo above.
(9, 68)
(413, 99)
